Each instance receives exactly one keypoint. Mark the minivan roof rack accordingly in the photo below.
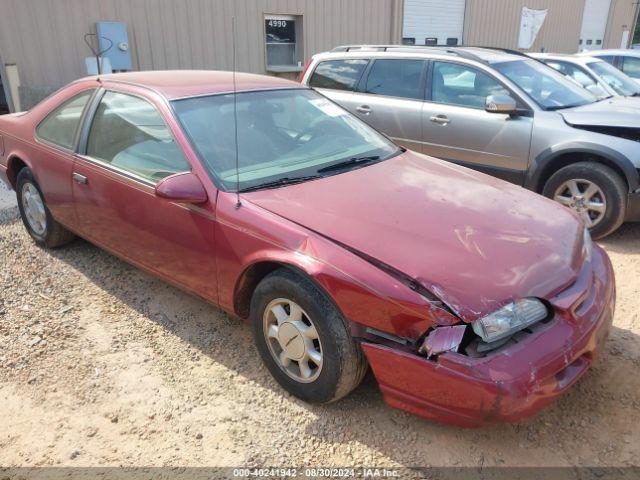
(385, 48)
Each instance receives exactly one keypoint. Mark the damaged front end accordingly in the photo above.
(504, 366)
(487, 333)
(628, 133)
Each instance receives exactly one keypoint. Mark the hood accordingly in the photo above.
(620, 112)
(474, 241)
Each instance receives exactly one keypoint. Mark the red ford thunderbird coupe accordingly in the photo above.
(473, 300)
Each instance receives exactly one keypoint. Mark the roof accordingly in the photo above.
(575, 59)
(174, 84)
(613, 51)
(478, 54)
(491, 55)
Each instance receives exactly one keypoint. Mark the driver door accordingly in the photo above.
(129, 149)
(457, 128)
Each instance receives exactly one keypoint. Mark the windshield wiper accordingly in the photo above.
(280, 182)
(352, 162)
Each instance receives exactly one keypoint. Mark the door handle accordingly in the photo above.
(81, 179)
(364, 109)
(440, 119)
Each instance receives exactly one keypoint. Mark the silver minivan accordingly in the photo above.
(499, 112)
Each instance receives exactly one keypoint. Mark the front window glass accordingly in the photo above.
(462, 85)
(338, 74)
(61, 125)
(631, 66)
(548, 88)
(617, 80)
(396, 78)
(282, 134)
(129, 133)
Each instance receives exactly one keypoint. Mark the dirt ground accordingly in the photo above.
(103, 365)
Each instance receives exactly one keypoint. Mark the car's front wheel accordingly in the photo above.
(36, 216)
(303, 338)
(596, 192)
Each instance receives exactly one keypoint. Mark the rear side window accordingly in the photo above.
(396, 78)
(129, 133)
(338, 74)
(61, 125)
(607, 58)
(631, 66)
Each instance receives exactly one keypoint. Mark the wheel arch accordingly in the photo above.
(15, 163)
(257, 270)
(553, 159)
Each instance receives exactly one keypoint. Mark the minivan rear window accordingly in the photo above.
(338, 74)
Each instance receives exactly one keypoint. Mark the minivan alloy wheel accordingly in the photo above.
(584, 197)
(33, 207)
(293, 340)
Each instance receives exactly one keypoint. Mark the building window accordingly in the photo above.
(408, 41)
(282, 38)
(589, 42)
(431, 41)
(598, 42)
(452, 41)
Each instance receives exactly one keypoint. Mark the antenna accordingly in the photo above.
(97, 52)
(235, 113)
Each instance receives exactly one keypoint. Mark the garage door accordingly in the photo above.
(433, 22)
(594, 24)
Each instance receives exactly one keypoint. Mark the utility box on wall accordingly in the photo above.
(120, 52)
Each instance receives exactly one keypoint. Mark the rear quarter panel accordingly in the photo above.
(51, 166)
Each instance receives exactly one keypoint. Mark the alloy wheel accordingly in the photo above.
(33, 207)
(584, 197)
(293, 340)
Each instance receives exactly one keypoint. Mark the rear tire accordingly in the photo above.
(282, 337)
(35, 215)
(585, 185)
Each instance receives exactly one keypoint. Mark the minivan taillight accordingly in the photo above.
(303, 72)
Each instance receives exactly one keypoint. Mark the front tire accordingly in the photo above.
(594, 191)
(35, 215)
(303, 339)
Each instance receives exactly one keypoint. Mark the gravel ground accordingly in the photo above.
(7, 197)
(103, 365)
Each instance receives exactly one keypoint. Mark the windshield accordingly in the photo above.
(617, 80)
(548, 88)
(282, 135)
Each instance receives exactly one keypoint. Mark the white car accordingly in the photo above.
(626, 60)
(594, 74)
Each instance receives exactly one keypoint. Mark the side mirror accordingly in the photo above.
(500, 104)
(182, 188)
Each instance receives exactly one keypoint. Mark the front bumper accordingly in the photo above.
(514, 382)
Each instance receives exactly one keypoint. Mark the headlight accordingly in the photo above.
(510, 319)
(587, 244)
